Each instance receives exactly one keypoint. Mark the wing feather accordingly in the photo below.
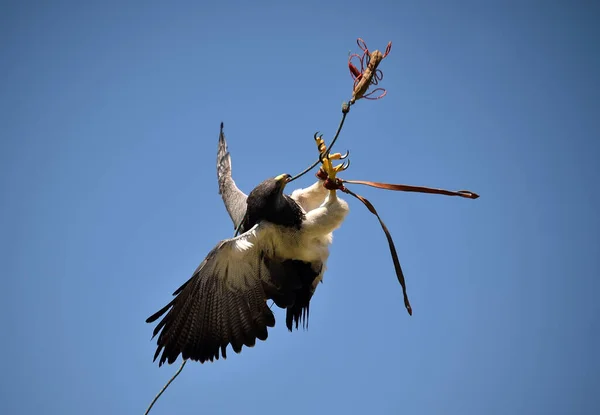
(233, 197)
(223, 303)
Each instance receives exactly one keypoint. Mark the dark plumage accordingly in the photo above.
(267, 202)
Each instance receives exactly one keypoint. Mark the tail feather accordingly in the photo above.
(298, 313)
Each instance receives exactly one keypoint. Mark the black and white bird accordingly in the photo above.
(280, 255)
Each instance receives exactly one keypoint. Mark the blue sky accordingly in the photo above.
(110, 115)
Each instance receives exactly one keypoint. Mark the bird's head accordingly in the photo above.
(267, 201)
(271, 189)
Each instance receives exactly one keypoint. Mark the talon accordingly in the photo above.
(339, 156)
(342, 167)
(319, 140)
(326, 159)
(320, 145)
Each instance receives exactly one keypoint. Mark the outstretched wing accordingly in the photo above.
(234, 198)
(224, 302)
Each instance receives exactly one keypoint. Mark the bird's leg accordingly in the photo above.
(327, 217)
(330, 214)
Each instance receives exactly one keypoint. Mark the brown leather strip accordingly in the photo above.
(419, 189)
(397, 266)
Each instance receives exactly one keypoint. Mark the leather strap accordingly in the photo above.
(418, 189)
(399, 273)
(338, 184)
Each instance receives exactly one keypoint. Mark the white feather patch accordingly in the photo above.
(243, 244)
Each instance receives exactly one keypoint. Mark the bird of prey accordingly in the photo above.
(280, 255)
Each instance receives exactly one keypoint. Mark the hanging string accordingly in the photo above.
(164, 388)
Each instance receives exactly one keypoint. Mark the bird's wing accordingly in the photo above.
(234, 198)
(224, 302)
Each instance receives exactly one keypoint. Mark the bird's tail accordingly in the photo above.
(297, 314)
(292, 287)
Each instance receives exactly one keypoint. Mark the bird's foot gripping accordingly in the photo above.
(328, 171)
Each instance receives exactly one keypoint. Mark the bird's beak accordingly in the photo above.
(283, 179)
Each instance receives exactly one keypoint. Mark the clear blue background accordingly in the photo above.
(109, 122)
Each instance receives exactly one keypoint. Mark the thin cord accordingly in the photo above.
(345, 111)
(165, 387)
